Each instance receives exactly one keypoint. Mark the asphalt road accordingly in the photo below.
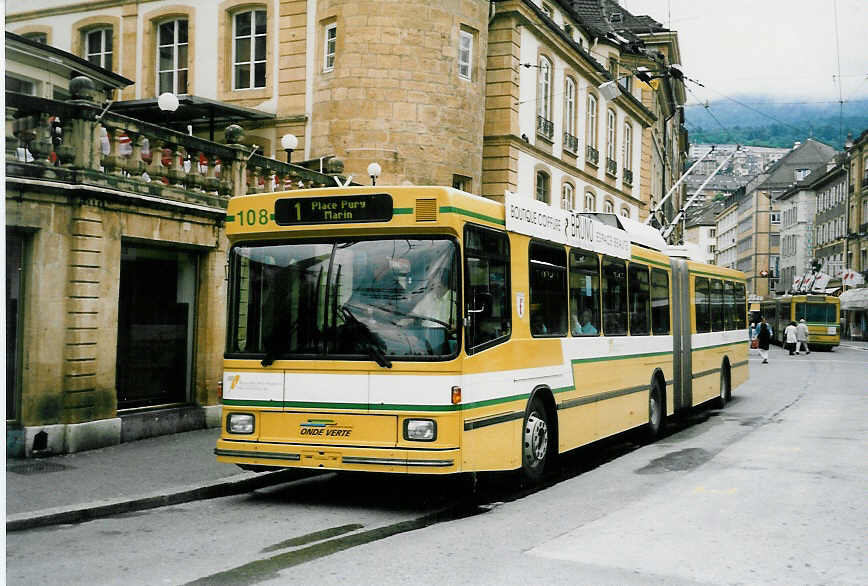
(771, 490)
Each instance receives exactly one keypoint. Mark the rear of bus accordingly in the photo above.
(343, 332)
(822, 316)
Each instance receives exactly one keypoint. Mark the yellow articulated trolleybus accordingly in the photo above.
(427, 330)
(822, 315)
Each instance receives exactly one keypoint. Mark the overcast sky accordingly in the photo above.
(784, 48)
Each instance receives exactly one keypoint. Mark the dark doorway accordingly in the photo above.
(14, 307)
(155, 317)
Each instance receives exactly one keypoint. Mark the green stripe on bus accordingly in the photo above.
(649, 261)
(463, 212)
(607, 358)
(719, 345)
(717, 276)
(402, 211)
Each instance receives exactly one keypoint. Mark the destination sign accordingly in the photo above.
(343, 209)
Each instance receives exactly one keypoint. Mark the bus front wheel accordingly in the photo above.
(535, 441)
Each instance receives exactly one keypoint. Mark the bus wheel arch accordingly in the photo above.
(539, 434)
(725, 393)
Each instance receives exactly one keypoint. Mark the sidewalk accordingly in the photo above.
(132, 476)
(861, 344)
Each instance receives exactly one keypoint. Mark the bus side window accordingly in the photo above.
(486, 288)
(548, 286)
(614, 289)
(741, 304)
(659, 302)
(701, 309)
(640, 298)
(584, 293)
(716, 305)
(729, 306)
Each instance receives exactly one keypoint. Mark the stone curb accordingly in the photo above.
(231, 485)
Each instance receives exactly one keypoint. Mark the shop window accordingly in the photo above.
(156, 317)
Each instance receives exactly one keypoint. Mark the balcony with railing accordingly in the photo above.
(571, 143)
(79, 143)
(545, 128)
(592, 155)
(628, 176)
(611, 167)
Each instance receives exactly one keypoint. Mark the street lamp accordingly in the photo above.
(374, 171)
(167, 102)
(288, 142)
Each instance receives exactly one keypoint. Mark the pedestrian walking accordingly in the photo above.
(764, 337)
(802, 335)
(791, 337)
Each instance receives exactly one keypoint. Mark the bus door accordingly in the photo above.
(681, 346)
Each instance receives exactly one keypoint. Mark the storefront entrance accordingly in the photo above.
(156, 316)
(14, 306)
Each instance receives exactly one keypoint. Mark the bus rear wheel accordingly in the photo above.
(535, 441)
(725, 391)
(656, 408)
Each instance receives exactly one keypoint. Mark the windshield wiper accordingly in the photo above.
(369, 340)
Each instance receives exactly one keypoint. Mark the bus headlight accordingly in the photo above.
(420, 430)
(239, 423)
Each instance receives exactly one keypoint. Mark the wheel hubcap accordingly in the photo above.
(536, 439)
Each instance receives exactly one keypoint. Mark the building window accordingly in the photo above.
(465, 53)
(628, 146)
(568, 195)
(570, 141)
(775, 217)
(249, 49)
(331, 39)
(590, 202)
(608, 207)
(611, 144)
(544, 89)
(462, 182)
(542, 186)
(712, 232)
(172, 48)
(98, 47)
(800, 174)
(592, 121)
(36, 37)
(625, 211)
(20, 86)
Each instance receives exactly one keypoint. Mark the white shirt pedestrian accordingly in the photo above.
(802, 336)
(791, 337)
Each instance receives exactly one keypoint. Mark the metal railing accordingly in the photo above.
(628, 176)
(571, 143)
(78, 141)
(592, 155)
(611, 166)
(545, 127)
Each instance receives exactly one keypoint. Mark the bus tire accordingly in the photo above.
(725, 388)
(535, 441)
(656, 412)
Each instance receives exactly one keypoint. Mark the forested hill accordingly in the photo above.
(762, 121)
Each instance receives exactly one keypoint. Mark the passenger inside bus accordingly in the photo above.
(584, 326)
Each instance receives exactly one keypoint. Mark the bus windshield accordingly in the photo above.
(375, 299)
